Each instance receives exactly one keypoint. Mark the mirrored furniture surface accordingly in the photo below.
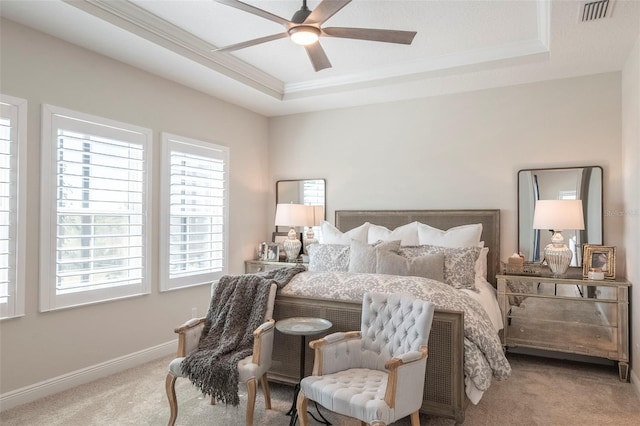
(568, 314)
(255, 266)
(571, 183)
(310, 192)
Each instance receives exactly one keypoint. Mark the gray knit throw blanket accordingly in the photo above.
(237, 308)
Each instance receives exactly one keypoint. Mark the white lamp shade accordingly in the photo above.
(558, 215)
(293, 215)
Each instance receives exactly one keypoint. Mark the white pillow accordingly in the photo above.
(456, 237)
(481, 263)
(407, 234)
(332, 235)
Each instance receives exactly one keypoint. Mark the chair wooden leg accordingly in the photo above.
(267, 393)
(252, 385)
(363, 423)
(301, 406)
(212, 401)
(415, 418)
(170, 386)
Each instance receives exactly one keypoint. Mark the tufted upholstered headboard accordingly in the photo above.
(441, 219)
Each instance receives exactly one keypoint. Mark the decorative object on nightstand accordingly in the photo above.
(598, 262)
(292, 215)
(556, 216)
(317, 216)
(515, 264)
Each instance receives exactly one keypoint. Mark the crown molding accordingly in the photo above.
(132, 18)
(136, 20)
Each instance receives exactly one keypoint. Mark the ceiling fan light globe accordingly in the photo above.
(304, 35)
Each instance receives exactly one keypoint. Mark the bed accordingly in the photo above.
(448, 389)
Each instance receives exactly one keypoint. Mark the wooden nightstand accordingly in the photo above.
(568, 314)
(254, 266)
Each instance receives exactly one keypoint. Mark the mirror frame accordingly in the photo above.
(601, 215)
(324, 201)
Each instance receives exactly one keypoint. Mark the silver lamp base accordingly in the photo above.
(292, 245)
(557, 255)
(308, 240)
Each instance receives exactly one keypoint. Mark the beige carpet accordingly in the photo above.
(539, 392)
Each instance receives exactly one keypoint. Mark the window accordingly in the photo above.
(94, 201)
(13, 174)
(194, 212)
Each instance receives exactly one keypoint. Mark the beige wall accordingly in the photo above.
(631, 183)
(457, 151)
(464, 151)
(42, 69)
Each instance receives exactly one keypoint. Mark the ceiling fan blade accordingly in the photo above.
(255, 11)
(317, 56)
(251, 42)
(325, 10)
(386, 36)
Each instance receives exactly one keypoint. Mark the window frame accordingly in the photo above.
(188, 145)
(49, 299)
(15, 307)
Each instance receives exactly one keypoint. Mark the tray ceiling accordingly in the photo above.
(460, 45)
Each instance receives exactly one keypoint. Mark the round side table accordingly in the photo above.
(303, 327)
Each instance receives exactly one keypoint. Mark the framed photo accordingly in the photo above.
(273, 252)
(599, 257)
(279, 237)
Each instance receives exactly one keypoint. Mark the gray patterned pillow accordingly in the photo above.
(328, 258)
(459, 263)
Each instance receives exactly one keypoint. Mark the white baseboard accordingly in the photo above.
(88, 374)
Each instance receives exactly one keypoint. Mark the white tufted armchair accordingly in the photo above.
(375, 375)
(250, 369)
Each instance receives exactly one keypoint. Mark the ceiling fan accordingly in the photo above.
(305, 27)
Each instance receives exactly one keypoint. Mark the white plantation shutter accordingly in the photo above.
(94, 209)
(12, 205)
(313, 192)
(194, 212)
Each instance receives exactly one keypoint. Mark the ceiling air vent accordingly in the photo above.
(597, 9)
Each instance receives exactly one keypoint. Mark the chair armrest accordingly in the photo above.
(189, 335)
(263, 343)
(406, 377)
(336, 352)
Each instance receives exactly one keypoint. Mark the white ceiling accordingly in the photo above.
(461, 45)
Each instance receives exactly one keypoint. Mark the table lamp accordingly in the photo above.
(317, 216)
(556, 216)
(292, 215)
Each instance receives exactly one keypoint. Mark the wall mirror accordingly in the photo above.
(574, 183)
(300, 191)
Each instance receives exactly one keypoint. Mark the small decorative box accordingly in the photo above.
(515, 264)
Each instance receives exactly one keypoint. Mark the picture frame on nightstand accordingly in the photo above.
(279, 238)
(599, 258)
(273, 253)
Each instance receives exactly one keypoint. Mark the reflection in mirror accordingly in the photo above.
(310, 192)
(574, 183)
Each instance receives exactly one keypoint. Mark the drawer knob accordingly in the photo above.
(521, 330)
